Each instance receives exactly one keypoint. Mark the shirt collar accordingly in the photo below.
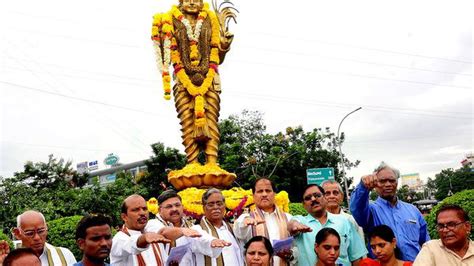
(133, 232)
(469, 252)
(330, 218)
(388, 203)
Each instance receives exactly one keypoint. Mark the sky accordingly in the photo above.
(78, 79)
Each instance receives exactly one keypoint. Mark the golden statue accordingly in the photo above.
(194, 40)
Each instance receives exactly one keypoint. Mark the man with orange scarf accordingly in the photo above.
(268, 220)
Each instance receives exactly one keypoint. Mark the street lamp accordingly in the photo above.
(342, 156)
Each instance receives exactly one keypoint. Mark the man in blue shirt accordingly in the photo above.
(405, 219)
(352, 248)
(94, 238)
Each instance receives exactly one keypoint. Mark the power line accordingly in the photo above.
(119, 132)
(268, 34)
(345, 106)
(326, 71)
(246, 95)
(358, 75)
(78, 98)
(67, 147)
(358, 61)
(365, 48)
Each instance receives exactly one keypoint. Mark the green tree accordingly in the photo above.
(454, 181)
(284, 157)
(164, 160)
(51, 174)
(62, 233)
(463, 199)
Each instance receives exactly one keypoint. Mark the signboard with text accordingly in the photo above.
(319, 175)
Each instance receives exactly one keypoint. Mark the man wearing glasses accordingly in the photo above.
(213, 223)
(32, 231)
(171, 217)
(454, 247)
(404, 218)
(352, 247)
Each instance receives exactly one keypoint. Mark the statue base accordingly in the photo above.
(200, 176)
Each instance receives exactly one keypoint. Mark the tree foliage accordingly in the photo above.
(454, 180)
(464, 199)
(164, 160)
(247, 150)
(61, 233)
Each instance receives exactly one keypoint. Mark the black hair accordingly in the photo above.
(463, 214)
(386, 233)
(89, 221)
(310, 186)
(263, 239)
(166, 195)
(16, 254)
(254, 185)
(383, 231)
(324, 233)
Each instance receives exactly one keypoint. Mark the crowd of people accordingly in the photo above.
(385, 232)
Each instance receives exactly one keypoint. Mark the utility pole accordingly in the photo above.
(342, 156)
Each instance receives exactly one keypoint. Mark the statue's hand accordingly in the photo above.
(226, 40)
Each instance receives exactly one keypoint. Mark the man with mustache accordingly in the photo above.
(404, 218)
(335, 196)
(213, 223)
(132, 246)
(352, 248)
(171, 218)
(454, 248)
(94, 238)
(32, 231)
(268, 220)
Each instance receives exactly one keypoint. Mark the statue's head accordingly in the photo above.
(191, 6)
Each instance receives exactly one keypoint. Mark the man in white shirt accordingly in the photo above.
(32, 231)
(213, 223)
(171, 217)
(268, 220)
(334, 197)
(132, 246)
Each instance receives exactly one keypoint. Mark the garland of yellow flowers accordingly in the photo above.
(163, 26)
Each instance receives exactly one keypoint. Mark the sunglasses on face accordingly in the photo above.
(316, 195)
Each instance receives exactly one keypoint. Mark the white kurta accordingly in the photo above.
(200, 245)
(232, 255)
(68, 256)
(124, 250)
(244, 233)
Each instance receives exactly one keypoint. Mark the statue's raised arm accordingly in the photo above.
(193, 40)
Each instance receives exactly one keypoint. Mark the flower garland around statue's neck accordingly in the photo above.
(163, 26)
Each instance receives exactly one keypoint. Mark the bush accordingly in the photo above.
(5, 237)
(62, 233)
(297, 209)
(464, 199)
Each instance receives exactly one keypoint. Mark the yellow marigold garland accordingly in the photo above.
(191, 198)
(163, 26)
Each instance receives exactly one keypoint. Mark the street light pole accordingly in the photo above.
(342, 156)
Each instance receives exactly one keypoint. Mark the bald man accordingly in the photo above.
(32, 231)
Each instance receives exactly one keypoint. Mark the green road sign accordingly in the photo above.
(319, 175)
